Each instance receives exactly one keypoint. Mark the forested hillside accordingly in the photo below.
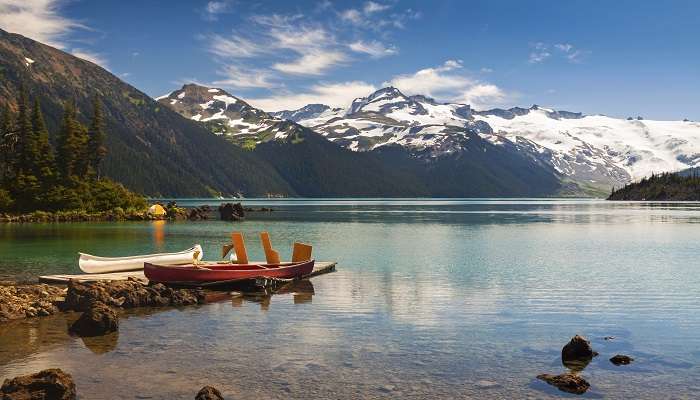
(683, 186)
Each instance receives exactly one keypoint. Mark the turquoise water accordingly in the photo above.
(432, 298)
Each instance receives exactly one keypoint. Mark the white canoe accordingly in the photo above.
(99, 265)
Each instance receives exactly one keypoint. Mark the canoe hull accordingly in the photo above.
(225, 272)
(99, 265)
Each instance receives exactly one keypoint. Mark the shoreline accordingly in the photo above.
(118, 215)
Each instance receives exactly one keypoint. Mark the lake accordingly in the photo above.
(442, 298)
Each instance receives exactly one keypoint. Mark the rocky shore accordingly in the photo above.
(55, 384)
(227, 212)
(29, 300)
(19, 301)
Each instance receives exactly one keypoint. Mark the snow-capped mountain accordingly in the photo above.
(307, 112)
(387, 116)
(596, 151)
(228, 115)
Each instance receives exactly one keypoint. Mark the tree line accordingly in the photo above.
(668, 186)
(38, 173)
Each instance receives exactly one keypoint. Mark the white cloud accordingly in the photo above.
(213, 9)
(565, 47)
(374, 48)
(336, 94)
(95, 58)
(353, 16)
(432, 81)
(542, 51)
(539, 53)
(239, 77)
(296, 48)
(371, 7)
(235, 46)
(483, 95)
(448, 82)
(313, 62)
(372, 16)
(37, 19)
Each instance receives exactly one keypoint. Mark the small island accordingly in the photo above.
(671, 186)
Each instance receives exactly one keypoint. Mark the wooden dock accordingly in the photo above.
(320, 267)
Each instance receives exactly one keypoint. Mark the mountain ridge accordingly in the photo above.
(151, 149)
(418, 171)
(594, 151)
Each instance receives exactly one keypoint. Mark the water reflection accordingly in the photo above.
(302, 292)
(101, 344)
(159, 234)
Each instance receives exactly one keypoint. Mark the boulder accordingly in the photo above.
(570, 383)
(199, 213)
(100, 319)
(621, 359)
(209, 393)
(51, 384)
(577, 348)
(231, 212)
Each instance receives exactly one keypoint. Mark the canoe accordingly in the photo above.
(99, 265)
(225, 272)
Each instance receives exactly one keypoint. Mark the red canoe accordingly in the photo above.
(225, 272)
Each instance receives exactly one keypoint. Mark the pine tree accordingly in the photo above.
(26, 145)
(96, 137)
(7, 143)
(69, 146)
(44, 163)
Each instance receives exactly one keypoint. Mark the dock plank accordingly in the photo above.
(321, 267)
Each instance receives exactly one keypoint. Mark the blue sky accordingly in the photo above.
(618, 58)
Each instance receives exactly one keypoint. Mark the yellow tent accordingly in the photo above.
(157, 210)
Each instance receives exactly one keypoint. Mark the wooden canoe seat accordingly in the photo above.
(239, 248)
(226, 249)
(271, 256)
(301, 252)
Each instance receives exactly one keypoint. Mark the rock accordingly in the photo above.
(27, 300)
(484, 384)
(231, 212)
(100, 319)
(577, 348)
(568, 382)
(51, 384)
(209, 393)
(199, 213)
(127, 294)
(621, 359)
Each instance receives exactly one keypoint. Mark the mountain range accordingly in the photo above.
(204, 141)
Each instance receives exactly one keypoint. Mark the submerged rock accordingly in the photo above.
(99, 320)
(26, 301)
(568, 382)
(209, 393)
(621, 359)
(577, 348)
(51, 384)
(127, 294)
